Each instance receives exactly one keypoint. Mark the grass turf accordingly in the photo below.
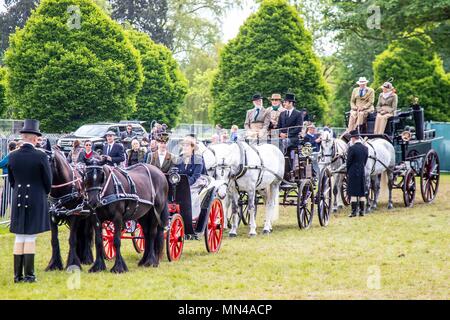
(398, 254)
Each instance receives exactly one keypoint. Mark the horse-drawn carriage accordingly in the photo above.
(413, 157)
(187, 225)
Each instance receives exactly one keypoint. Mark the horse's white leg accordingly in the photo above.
(251, 210)
(272, 195)
(233, 199)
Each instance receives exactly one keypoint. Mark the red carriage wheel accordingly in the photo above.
(214, 228)
(409, 188)
(175, 238)
(109, 251)
(429, 176)
(138, 239)
(344, 194)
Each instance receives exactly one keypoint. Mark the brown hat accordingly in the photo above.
(276, 96)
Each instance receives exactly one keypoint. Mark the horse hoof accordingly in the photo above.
(55, 266)
(334, 210)
(252, 235)
(390, 207)
(119, 270)
(97, 268)
(232, 235)
(266, 232)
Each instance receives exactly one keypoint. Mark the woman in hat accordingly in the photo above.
(275, 110)
(162, 158)
(386, 107)
(192, 164)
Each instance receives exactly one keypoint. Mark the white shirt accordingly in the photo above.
(162, 156)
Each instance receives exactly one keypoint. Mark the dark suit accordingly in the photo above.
(356, 161)
(294, 120)
(117, 153)
(30, 176)
(193, 169)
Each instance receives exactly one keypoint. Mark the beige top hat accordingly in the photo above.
(362, 80)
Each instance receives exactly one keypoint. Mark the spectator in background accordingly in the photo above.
(153, 146)
(87, 154)
(127, 136)
(234, 133)
(6, 192)
(136, 154)
(73, 155)
(215, 139)
(224, 136)
(312, 137)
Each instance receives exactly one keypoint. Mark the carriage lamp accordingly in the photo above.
(406, 136)
(307, 150)
(174, 178)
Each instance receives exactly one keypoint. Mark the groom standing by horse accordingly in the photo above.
(30, 176)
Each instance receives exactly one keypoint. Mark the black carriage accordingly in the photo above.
(414, 154)
(306, 189)
(209, 223)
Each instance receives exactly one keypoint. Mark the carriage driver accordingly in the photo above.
(30, 177)
(257, 120)
(361, 104)
(191, 164)
(356, 161)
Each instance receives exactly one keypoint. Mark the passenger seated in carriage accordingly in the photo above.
(191, 164)
(361, 103)
(87, 155)
(386, 107)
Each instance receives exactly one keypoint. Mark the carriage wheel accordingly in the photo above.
(344, 191)
(138, 239)
(429, 176)
(305, 204)
(409, 188)
(109, 251)
(324, 195)
(175, 238)
(214, 229)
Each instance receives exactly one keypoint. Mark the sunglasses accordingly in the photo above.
(88, 145)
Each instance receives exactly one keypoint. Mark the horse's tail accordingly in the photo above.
(159, 241)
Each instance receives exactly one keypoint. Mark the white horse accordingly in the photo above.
(251, 169)
(332, 155)
(381, 161)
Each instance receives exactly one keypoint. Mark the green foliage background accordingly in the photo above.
(2, 90)
(65, 77)
(418, 72)
(272, 53)
(164, 86)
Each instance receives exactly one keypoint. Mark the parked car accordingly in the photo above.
(96, 134)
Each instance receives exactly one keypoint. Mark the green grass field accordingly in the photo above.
(400, 254)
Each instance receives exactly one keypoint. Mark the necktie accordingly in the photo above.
(361, 92)
(109, 149)
(256, 114)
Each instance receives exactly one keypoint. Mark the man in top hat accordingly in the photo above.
(113, 152)
(30, 177)
(275, 110)
(162, 158)
(361, 104)
(356, 176)
(257, 119)
(290, 122)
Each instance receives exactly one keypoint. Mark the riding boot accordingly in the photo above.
(18, 268)
(29, 268)
(354, 212)
(362, 208)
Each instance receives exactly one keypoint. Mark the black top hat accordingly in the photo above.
(257, 96)
(289, 97)
(354, 133)
(31, 126)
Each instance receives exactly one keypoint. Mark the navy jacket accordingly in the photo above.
(193, 169)
(117, 153)
(312, 139)
(31, 179)
(357, 157)
(295, 120)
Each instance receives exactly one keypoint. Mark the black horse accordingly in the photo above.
(117, 195)
(66, 195)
